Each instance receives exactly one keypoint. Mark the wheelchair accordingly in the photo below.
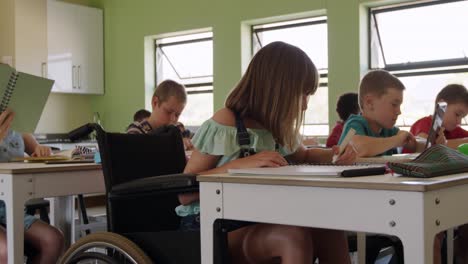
(143, 176)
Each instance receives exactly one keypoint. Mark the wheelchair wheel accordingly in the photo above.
(104, 248)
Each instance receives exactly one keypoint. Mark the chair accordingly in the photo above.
(38, 204)
(142, 179)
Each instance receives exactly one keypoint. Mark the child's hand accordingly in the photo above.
(6, 118)
(440, 139)
(41, 151)
(408, 140)
(262, 159)
(348, 156)
(187, 143)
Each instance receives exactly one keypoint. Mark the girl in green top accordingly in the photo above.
(271, 99)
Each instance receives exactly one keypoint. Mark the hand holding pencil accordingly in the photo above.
(345, 153)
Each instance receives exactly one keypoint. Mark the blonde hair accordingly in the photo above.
(271, 90)
(170, 88)
(377, 82)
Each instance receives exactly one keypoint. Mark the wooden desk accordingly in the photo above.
(20, 182)
(410, 208)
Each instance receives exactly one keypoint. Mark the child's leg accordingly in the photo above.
(48, 241)
(3, 245)
(262, 243)
(331, 246)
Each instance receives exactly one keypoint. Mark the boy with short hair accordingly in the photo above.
(456, 97)
(141, 115)
(380, 98)
(168, 102)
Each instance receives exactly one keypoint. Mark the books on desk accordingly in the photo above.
(79, 154)
(314, 170)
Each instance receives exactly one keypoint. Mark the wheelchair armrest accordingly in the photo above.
(177, 182)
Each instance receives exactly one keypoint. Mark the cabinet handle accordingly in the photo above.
(73, 76)
(79, 76)
(44, 69)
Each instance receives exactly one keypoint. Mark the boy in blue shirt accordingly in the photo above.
(380, 98)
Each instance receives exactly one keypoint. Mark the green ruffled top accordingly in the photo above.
(219, 140)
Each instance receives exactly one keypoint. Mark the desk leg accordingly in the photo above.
(211, 202)
(361, 247)
(64, 220)
(418, 248)
(15, 220)
(450, 232)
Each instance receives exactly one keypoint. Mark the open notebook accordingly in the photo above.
(314, 170)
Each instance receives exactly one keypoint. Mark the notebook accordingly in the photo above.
(306, 170)
(24, 94)
(388, 158)
(437, 120)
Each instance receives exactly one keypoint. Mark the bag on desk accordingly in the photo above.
(435, 161)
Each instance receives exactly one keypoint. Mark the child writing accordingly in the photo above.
(452, 135)
(168, 102)
(346, 105)
(45, 239)
(276, 72)
(380, 98)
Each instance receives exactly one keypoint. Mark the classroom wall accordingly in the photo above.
(128, 22)
(7, 27)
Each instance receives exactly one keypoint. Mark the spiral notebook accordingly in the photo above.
(24, 94)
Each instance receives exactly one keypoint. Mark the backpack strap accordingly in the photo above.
(243, 137)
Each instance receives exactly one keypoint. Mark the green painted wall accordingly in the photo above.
(128, 22)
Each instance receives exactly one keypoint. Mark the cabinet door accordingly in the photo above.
(60, 37)
(30, 36)
(89, 50)
(75, 48)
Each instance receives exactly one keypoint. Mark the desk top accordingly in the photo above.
(381, 182)
(25, 167)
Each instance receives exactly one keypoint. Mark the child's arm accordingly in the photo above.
(321, 155)
(6, 117)
(372, 146)
(454, 143)
(33, 148)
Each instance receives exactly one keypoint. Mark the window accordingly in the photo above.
(311, 36)
(425, 45)
(188, 59)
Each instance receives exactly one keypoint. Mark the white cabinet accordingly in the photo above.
(75, 48)
(23, 37)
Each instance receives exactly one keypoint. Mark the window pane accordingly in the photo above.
(420, 94)
(424, 33)
(312, 39)
(199, 108)
(189, 60)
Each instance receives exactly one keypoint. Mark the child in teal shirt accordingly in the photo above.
(380, 98)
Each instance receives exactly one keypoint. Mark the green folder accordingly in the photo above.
(25, 94)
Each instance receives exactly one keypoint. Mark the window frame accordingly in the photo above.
(412, 69)
(189, 86)
(323, 73)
